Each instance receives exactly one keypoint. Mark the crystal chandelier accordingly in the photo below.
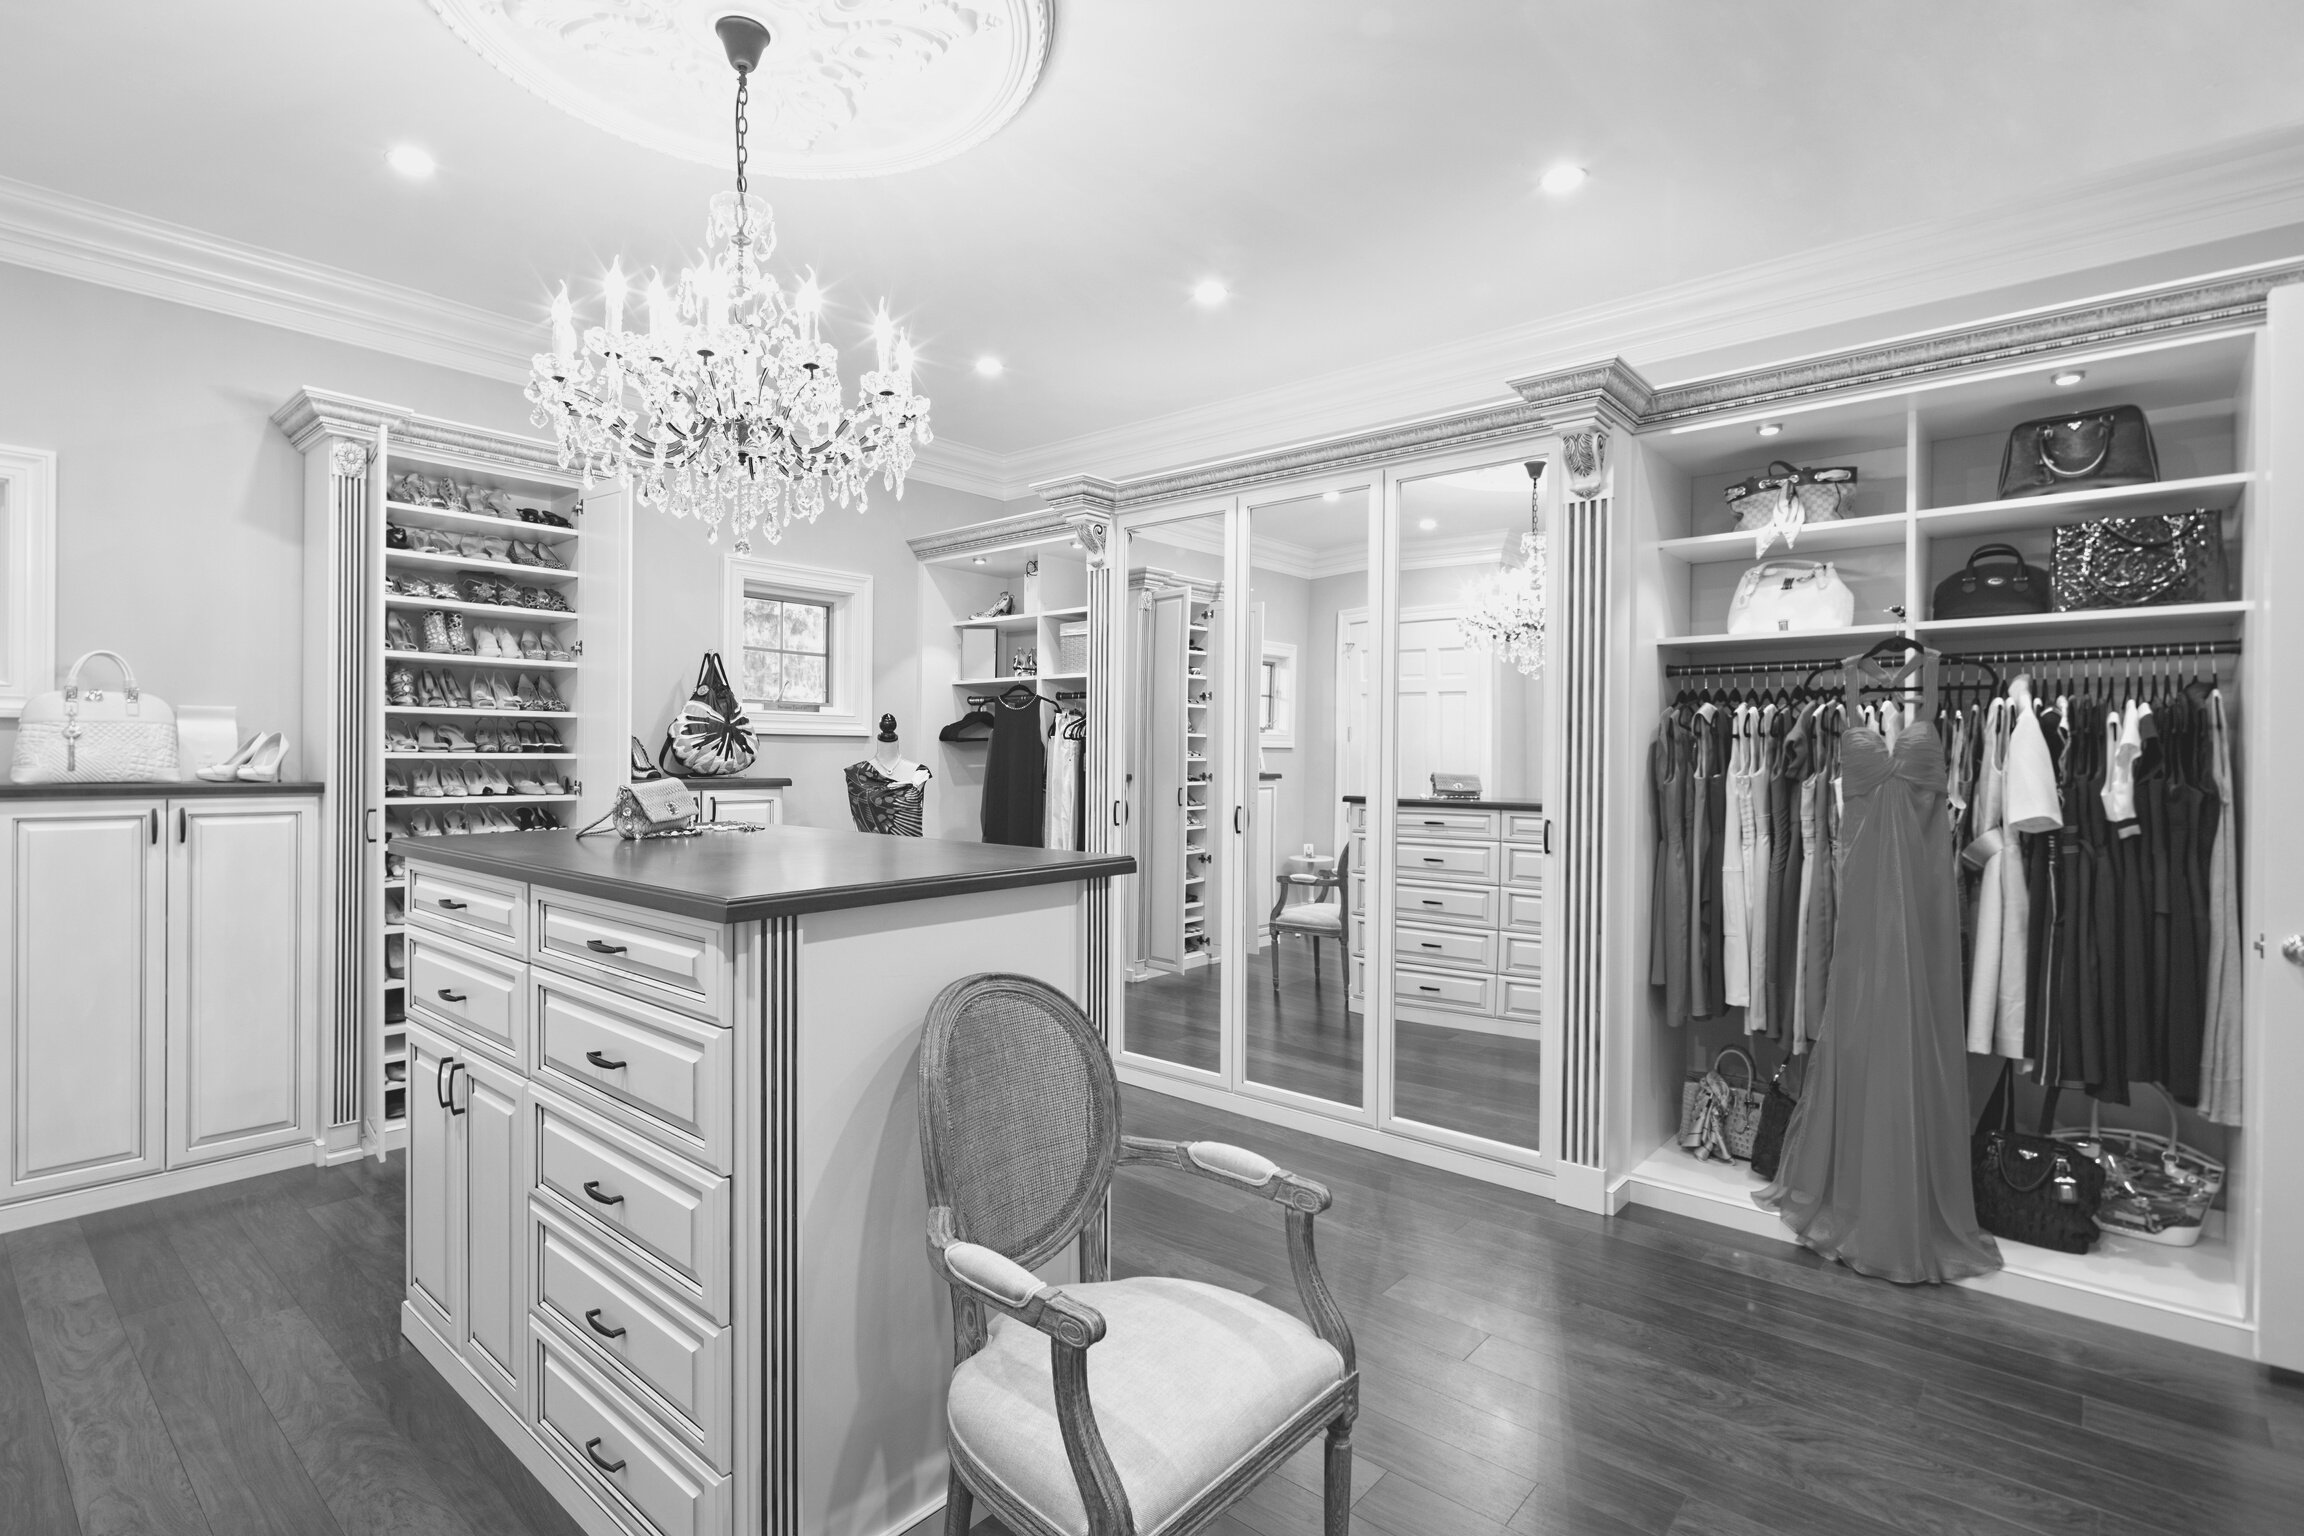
(1506, 617)
(728, 406)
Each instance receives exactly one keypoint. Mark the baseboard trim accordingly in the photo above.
(91, 1199)
(579, 1501)
(1534, 1181)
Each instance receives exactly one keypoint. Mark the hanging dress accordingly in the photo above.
(1875, 1164)
(1015, 777)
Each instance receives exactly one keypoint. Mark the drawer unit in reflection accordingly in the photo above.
(1467, 888)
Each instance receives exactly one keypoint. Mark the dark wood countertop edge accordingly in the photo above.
(752, 909)
(1458, 805)
(167, 789)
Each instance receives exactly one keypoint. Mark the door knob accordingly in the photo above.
(2292, 949)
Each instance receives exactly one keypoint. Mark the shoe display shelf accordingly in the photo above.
(371, 468)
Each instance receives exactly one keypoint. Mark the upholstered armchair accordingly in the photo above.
(1319, 915)
(1197, 1393)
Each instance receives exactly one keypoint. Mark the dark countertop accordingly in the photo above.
(171, 789)
(731, 781)
(735, 877)
(1459, 805)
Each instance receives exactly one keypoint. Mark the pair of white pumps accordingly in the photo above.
(257, 761)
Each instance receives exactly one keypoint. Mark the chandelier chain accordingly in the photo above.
(743, 98)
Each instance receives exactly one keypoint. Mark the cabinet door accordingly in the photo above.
(83, 912)
(435, 1187)
(495, 1201)
(757, 807)
(243, 975)
(1163, 847)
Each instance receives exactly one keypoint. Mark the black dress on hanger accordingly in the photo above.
(1016, 774)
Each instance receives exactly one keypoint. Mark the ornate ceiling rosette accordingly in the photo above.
(848, 88)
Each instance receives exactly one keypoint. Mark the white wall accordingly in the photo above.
(179, 505)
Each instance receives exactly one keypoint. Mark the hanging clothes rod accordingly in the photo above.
(2074, 653)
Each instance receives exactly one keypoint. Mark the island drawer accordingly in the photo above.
(1523, 999)
(1428, 821)
(661, 1073)
(1474, 904)
(1460, 861)
(483, 994)
(666, 1211)
(1524, 911)
(677, 1354)
(476, 908)
(1523, 954)
(1523, 865)
(659, 956)
(610, 1444)
(1524, 827)
(1439, 989)
(1472, 947)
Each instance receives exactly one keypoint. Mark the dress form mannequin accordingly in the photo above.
(885, 790)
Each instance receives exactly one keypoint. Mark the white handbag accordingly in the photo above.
(1782, 595)
(95, 736)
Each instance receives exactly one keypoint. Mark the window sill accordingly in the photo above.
(777, 722)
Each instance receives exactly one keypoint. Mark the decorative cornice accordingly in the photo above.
(1082, 492)
(1610, 392)
(1002, 533)
(315, 413)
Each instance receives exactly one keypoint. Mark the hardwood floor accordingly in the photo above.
(229, 1362)
(1301, 1037)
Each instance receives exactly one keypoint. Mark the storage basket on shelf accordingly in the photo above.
(1072, 646)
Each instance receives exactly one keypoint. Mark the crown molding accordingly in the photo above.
(958, 467)
(311, 414)
(1036, 527)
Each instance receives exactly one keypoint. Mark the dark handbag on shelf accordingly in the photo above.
(2141, 562)
(711, 735)
(1717, 1118)
(2079, 452)
(2031, 1189)
(1991, 588)
(1775, 1119)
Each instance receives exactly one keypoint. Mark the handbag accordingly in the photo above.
(654, 804)
(711, 735)
(1991, 588)
(2156, 1189)
(2141, 562)
(91, 736)
(1775, 1119)
(2112, 446)
(1786, 499)
(2031, 1189)
(1782, 595)
(1717, 1118)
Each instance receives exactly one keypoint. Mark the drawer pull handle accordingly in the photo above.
(1430, 902)
(447, 996)
(601, 1328)
(592, 1188)
(1428, 944)
(1429, 859)
(590, 1450)
(603, 1063)
(1427, 989)
(603, 947)
(450, 904)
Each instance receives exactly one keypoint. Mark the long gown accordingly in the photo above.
(1875, 1162)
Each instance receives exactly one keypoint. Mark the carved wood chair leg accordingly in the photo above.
(960, 1508)
(1337, 1497)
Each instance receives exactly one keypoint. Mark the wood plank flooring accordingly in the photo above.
(228, 1362)
(1301, 1037)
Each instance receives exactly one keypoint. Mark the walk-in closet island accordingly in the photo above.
(666, 1214)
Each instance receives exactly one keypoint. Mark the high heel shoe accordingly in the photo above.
(264, 766)
(229, 769)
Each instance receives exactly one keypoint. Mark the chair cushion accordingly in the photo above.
(1327, 915)
(1188, 1380)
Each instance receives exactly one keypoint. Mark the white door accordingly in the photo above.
(435, 1189)
(83, 949)
(495, 1205)
(1444, 706)
(243, 975)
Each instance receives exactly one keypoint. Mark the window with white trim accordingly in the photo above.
(800, 647)
(1276, 695)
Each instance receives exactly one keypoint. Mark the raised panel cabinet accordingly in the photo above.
(467, 1193)
(83, 904)
(243, 977)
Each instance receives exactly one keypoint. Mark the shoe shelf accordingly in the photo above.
(472, 522)
(417, 802)
(483, 610)
(460, 659)
(437, 711)
(440, 562)
(474, 757)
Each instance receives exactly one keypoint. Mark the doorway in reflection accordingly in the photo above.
(1469, 843)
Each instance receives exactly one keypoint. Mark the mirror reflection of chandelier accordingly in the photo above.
(727, 407)
(1506, 617)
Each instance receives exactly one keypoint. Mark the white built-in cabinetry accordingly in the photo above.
(159, 992)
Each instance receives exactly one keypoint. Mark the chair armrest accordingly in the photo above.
(990, 1278)
(1300, 1200)
(1227, 1164)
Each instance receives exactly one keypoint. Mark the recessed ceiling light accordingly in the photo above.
(1771, 428)
(1427, 524)
(2067, 378)
(990, 367)
(1562, 178)
(980, 560)
(1331, 497)
(410, 161)
(1209, 292)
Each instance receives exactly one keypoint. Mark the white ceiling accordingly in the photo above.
(1362, 174)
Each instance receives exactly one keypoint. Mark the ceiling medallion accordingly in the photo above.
(727, 406)
(857, 87)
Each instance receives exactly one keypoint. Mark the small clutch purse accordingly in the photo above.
(652, 805)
